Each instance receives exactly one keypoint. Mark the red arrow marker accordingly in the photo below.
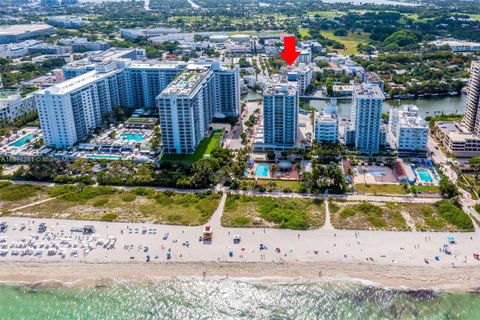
(289, 54)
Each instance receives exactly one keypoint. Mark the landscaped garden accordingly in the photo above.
(270, 185)
(113, 204)
(204, 148)
(257, 211)
(380, 188)
(441, 216)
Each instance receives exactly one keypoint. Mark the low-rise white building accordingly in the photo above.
(457, 45)
(13, 106)
(407, 131)
(457, 139)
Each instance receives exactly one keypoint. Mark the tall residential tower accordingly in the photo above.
(471, 120)
(280, 114)
(366, 116)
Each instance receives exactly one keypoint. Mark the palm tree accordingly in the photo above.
(364, 171)
(273, 168)
(383, 175)
(298, 167)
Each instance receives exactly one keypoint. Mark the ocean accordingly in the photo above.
(196, 298)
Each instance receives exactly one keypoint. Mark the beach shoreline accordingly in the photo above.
(53, 274)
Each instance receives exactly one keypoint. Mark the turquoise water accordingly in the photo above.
(103, 156)
(133, 137)
(424, 175)
(194, 298)
(261, 170)
(22, 141)
(376, 173)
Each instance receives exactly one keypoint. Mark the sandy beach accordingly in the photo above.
(394, 259)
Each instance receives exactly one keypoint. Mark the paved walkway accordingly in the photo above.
(328, 221)
(347, 197)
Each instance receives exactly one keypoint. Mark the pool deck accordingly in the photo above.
(293, 174)
(388, 178)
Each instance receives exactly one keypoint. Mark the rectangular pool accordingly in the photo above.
(103, 156)
(376, 172)
(138, 137)
(22, 141)
(424, 175)
(261, 170)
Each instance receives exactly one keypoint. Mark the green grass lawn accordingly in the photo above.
(428, 189)
(272, 184)
(380, 188)
(204, 148)
(288, 213)
(350, 41)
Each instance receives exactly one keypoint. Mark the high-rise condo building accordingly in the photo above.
(186, 108)
(471, 119)
(366, 116)
(71, 110)
(280, 114)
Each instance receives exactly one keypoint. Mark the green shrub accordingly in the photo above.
(144, 192)
(128, 197)
(59, 190)
(333, 207)
(100, 202)
(347, 213)
(477, 208)
(81, 195)
(15, 192)
(163, 199)
(454, 215)
(109, 217)
(240, 221)
(287, 213)
(4, 184)
(172, 218)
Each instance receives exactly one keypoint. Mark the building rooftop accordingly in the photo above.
(76, 83)
(368, 91)
(186, 82)
(18, 29)
(280, 86)
(408, 117)
(154, 64)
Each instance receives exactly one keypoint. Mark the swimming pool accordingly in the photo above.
(261, 170)
(103, 156)
(138, 137)
(376, 172)
(22, 141)
(424, 175)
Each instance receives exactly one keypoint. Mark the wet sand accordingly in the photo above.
(52, 274)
